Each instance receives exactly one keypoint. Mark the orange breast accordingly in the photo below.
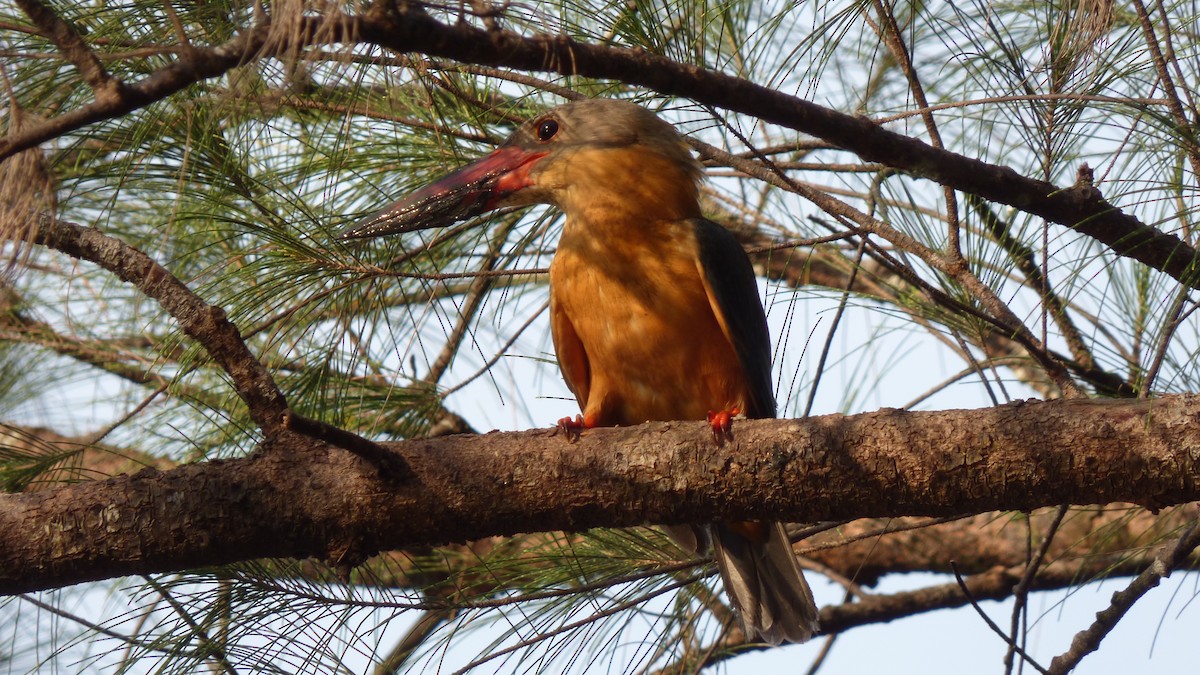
(632, 293)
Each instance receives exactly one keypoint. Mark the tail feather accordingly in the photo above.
(765, 583)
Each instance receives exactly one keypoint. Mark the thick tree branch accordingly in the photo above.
(299, 497)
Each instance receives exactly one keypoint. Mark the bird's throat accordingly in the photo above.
(623, 185)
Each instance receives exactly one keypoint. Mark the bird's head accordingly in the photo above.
(583, 148)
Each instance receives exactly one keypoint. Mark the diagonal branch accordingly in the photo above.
(196, 66)
(1001, 315)
(1186, 129)
(1088, 640)
(1024, 259)
(1082, 208)
(891, 35)
(202, 322)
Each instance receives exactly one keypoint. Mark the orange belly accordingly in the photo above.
(645, 328)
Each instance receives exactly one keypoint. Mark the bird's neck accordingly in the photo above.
(624, 187)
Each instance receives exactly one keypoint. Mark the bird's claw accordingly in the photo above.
(570, 427)
(721, 422)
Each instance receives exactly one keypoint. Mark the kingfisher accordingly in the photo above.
(654, 309)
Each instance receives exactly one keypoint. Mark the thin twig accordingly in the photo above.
(1175, 317)
(466, 312)
(150, 645)
(826, 648)
(890, 32)
(389, 463)
(541, 637)
(978, 367)
(1002, 315)
(1185, 127)
(1025, 260)
(1021, 590)
(211, 650)
(837, 318)
(962, 584)
(100, 435)
(489, 603)
(500, 351)
(426, 625)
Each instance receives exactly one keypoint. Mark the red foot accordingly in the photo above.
(571, 427)
(721, 422)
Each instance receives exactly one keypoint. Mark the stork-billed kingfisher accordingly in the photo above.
(654, 310)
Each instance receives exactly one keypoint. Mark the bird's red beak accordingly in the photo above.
(477, 187)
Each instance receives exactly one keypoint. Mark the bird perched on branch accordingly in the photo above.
(654, 310)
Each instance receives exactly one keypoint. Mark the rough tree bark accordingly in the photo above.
(300, 497)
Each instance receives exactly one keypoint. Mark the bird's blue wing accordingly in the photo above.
(730, 282)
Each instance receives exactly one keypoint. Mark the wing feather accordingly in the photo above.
(732, 291)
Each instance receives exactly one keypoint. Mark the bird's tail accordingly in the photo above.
(764, 581)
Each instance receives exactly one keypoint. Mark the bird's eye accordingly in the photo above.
(546, 130)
